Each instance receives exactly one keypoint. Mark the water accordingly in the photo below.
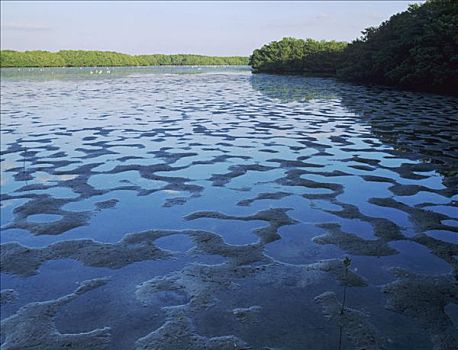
(221, 203)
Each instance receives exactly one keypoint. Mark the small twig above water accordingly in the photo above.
(346, 262)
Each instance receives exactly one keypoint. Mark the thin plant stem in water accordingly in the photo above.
(340, 337)
(346, 262)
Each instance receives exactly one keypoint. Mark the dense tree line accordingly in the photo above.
(416, 49)
(80, 58)
(291, 55)
(185, 60)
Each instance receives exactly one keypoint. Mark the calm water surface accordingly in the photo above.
(209, 208)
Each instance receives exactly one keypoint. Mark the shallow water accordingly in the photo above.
(221, 204)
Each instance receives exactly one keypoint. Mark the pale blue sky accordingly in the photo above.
(213, 28)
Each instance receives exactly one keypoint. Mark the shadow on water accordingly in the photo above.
(294, 88)
(420, 126)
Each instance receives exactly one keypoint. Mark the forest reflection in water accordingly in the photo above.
(419, 125)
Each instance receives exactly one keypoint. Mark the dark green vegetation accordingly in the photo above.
(416, 49)
(79, 58)
(291, 55)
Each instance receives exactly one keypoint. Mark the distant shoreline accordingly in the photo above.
(82, 58)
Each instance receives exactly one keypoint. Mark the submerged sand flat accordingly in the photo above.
(208, 208)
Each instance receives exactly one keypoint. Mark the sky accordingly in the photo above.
(207, 27)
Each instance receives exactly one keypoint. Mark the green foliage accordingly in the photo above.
(291, 55)
(189, 60)
(415, 49)
(9, 58)
(79, 58)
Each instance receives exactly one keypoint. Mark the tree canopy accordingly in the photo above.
(416, 49)
(81, 58)
(291, 55)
